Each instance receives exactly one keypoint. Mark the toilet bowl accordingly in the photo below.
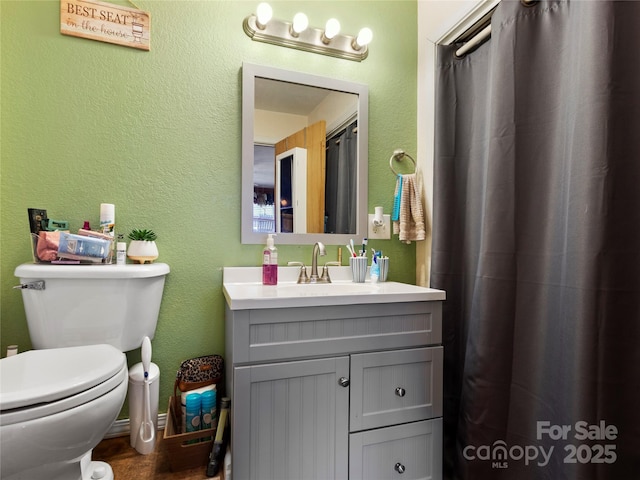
(47, 398)
(57, 402)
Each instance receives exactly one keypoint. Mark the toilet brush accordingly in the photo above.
(147, 435)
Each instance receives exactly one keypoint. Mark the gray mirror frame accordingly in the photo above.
(249, 73)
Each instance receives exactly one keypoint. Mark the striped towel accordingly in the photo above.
(410, 224)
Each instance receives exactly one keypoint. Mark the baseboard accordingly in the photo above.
(122, 428)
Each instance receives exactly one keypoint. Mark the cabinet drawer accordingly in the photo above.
(394, 387)
(405, 452)
(275, 334)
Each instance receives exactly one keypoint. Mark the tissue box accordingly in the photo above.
(186, 450)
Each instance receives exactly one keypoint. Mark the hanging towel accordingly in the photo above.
(410, 226)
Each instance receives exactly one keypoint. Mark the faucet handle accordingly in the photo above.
(325, 271)
(302, 278)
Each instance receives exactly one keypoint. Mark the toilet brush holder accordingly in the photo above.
(136, 398)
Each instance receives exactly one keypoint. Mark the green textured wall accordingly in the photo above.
(158, 134)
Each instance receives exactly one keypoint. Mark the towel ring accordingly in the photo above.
(398, 155)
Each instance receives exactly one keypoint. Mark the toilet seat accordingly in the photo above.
(39, 383)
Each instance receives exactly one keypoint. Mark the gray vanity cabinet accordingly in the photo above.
(291, 420)
(336, 392)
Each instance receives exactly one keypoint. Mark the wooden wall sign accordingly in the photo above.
(105, 22)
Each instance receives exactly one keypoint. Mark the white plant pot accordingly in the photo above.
(142, 251)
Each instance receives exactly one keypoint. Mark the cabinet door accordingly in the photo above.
(291, 421)
(404, 452)
(395, 387)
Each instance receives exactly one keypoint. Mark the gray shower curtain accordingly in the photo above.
(536, 240)
(341, 181)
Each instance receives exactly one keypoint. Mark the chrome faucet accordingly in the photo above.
(317, 248)
(302, 278)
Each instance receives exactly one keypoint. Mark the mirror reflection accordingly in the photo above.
(304, 156)
(305, 159)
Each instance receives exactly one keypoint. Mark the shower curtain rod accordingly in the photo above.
(474, 42)
(343, 125)
(484, 33)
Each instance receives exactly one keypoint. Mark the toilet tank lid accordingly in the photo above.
(38, 376)
(44, 270)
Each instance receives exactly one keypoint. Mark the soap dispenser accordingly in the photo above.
(270, 262)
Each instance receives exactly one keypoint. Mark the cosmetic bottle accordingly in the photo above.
(270, 262)
(209, 413)
(183, 402)
(193, 412)
(121, 250)
(107, 218)
(107, 227)
(374, 272)
(208, 408)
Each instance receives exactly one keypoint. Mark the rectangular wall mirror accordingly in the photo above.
(304, 157)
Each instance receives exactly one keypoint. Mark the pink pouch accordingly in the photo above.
(47, 249)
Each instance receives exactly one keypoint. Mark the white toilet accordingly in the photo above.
(57, 402)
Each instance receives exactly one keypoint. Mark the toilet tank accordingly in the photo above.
(91, 304)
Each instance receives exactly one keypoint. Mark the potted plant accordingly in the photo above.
(142, 247)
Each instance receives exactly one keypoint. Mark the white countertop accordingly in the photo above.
(243, 290)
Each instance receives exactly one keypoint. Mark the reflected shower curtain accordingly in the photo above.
(536, 241)
(341, 181)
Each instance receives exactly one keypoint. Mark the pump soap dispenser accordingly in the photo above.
(270, 262)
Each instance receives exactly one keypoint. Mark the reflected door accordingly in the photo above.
(291, 191)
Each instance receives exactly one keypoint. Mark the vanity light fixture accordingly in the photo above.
(297, 34)
(299, 25)
(331, 29)
(363, 39)
(264, 13)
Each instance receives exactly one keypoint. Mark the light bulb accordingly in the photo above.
(300, 24)
(332, 28)
(364, 38)
(264, 12)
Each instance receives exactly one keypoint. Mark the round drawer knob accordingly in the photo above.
(401, 392)
(343, 382)
(400, 468)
